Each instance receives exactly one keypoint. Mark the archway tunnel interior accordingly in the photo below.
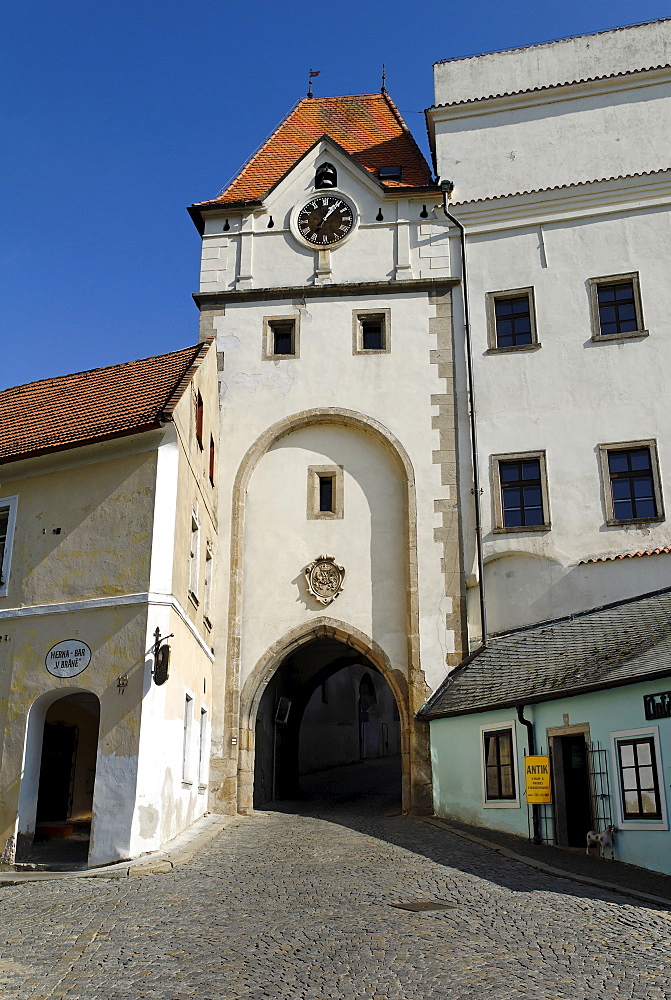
(63, 812)
(326, 708)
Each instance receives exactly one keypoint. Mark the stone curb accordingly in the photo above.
(185, 847)
(560, 872)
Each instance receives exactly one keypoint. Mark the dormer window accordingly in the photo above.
(326, 176)
(392, 172)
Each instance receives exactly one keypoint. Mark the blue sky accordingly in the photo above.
(115, 116)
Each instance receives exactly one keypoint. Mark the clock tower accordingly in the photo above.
(326, 281)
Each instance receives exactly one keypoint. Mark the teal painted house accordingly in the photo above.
(593, 691)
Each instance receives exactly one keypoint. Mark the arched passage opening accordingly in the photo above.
(56, 804)
(328, 726)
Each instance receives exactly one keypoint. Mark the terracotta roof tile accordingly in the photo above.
(368, 126)
(665, 550)
(72, 410)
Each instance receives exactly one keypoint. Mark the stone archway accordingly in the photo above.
(234, 740)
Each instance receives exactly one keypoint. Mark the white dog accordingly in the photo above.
(605, 839)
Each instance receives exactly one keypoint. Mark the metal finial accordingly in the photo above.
(383, 89)
(313, 73)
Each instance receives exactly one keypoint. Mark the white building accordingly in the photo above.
(326, 281)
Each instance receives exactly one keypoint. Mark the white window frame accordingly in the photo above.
(187, 746)
(202, 750)
(639, 824)
(194, 557)
(499, 803)
(207, 585)
(11, 503)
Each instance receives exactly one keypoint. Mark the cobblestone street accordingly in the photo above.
(297, 905)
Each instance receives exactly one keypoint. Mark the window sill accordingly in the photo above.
(194, 600)
(513, 350)
(281, 357)
(522, 529)
(501, 804)
(381, 350)
(608, 337)
(187, 784)
(201, 789)
(207, 623)
(640, 522)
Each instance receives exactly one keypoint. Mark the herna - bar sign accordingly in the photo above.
(537, 776)
(68, 658)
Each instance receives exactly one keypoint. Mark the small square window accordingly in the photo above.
(519, 484)
(280, 335)
(511, 320)
(631, 482)
(617, 312)
(371, 332)
(325, 492)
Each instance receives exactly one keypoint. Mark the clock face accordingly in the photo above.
(325, 220)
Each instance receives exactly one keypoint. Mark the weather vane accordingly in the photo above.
(383, 88)
(313, 73)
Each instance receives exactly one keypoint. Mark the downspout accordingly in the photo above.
(535, 810)
(447, 188)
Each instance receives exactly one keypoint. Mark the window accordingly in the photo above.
(325, 492)
(280, 337)
(511, 320)
(371, 331)
(499, 764)
(202, 750)
(7, 522)
(194, 558)
(186, 746)
(639, 782)
(631, 482)
(199, 420)
(616, 307)
(207, 586)
(212, 457)
(520, 492)
(391, 172)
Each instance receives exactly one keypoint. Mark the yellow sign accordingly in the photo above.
(537, 774)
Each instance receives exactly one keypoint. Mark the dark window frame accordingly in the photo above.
(199, 417)
(634, 742)
(609, 477)
(599, 308)
(494, 332)
(499, 486)
(273, 326)
(497, 767)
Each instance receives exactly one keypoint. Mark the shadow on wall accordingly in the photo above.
(523, 589)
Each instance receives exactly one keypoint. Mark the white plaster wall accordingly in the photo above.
(634, 47)
(566, 398)
(556, 138)
(369, 541)
(394, 389)
(272, 257)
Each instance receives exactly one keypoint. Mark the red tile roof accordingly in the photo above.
(368, 126)
(72, 410)
(665, 550)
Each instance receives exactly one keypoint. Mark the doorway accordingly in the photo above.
(573, 803)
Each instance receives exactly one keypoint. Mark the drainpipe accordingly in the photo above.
(535, 810)
(447, 188)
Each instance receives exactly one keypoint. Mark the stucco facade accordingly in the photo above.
(100, 555)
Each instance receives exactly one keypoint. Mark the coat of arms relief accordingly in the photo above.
(325, 579)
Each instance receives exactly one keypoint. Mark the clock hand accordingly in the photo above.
(326, 215)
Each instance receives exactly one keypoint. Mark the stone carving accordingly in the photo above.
(325, 579)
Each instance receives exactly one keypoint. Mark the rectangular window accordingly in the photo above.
(520, 492)
(631, 482)
(7, 522)
(325, 492)
(212, 458)
(202, 749)
(511, 320)
(186, 746)
(280, 334)
(639, 781)
(617, 311)
(371, 332)
(194, 558)
(199, 420)
(499, 764)
(207, 586)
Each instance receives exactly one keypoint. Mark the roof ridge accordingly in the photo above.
(564, 187)
(552, 41)
(182, 383)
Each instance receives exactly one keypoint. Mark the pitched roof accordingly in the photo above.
(72, 410)
(368, 126)
(617, 644)
(665, 550)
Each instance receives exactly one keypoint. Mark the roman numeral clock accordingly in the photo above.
(324, 221)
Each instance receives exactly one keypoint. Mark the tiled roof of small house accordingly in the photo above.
(607, 647)
(368, 126)
(71, 410)
(665, 550)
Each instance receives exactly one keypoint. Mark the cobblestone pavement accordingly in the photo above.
(296, 906)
